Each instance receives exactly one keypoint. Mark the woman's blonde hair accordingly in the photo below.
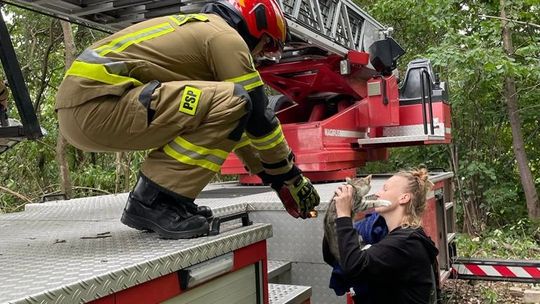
(418, 185)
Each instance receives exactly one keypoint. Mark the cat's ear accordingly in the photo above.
(348, 180)
(368, 178)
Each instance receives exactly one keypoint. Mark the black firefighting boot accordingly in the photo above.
(206, 212)
(149, 207)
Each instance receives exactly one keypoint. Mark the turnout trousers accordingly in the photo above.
(189, 128)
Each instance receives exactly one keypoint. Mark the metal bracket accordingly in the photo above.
(31, 128)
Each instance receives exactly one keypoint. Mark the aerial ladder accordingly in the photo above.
(340, 103)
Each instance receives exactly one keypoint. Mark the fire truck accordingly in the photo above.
(340, 104)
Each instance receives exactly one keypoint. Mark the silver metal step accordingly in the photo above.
(399, 139)
(288, 294)
(279, 272)
(9, 142)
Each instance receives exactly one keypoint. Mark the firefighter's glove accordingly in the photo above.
(298, 198)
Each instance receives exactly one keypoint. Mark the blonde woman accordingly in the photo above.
(398, 269)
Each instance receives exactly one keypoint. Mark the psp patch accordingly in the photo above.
(190, 100)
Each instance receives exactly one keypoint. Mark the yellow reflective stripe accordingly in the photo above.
(98, 72)
(181, 19)
(190, 161)
(248, 81)
(268, 141)
(200, 150)
(123, 42)
(253, 85)
(188, 153)
(244, 141)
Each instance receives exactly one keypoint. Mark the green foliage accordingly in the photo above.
(464, 43)
(513, 241)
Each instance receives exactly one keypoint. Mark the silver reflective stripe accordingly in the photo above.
(114, 67)
(194, 155)
(91, 56)
(123, 42)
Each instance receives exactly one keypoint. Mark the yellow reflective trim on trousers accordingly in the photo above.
(98, 72)
(200, 150)
(190, 161)
(248, 81)
(269, 141)
(121, 43)
(244, 141)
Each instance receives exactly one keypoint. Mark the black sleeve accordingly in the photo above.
(381, 260)
(327, 256)
(263, 119)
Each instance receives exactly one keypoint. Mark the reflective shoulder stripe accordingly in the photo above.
(181, 19)
(123, 42)
(269, 141)
(248, 81)
(189, 153)
(99, 73)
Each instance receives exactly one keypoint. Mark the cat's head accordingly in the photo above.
(361, 185)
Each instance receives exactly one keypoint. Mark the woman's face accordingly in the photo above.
(393, 191)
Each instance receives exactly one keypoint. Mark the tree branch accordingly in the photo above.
(510, 20)
(15, 194)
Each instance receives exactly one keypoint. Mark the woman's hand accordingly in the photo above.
(343, 199)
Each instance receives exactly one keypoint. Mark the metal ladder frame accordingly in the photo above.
(336, 26)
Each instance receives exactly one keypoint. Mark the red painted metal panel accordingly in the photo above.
(106, 300)
(379, 113)
(429, 221)
(154, 291)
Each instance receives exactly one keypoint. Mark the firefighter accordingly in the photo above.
(186, 88)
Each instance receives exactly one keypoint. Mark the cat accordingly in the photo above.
(361, 185)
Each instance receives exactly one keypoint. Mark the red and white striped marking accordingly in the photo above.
(500, 271)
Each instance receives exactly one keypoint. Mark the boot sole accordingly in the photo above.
(141, 223)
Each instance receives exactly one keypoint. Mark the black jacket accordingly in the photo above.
(398, 269)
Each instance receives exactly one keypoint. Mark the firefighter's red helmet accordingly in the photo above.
(263, 17)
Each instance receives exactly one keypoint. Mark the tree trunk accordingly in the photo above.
(61, 143)
(510, 94)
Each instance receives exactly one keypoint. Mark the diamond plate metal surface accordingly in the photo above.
(76, 251)
(317, 276)
(275, 268)
(291, 294)
(414, 129)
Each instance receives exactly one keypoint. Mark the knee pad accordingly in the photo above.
(241, 92)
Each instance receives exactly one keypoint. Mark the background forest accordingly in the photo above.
(487, 51)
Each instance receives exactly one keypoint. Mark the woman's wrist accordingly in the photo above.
(343, 214)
